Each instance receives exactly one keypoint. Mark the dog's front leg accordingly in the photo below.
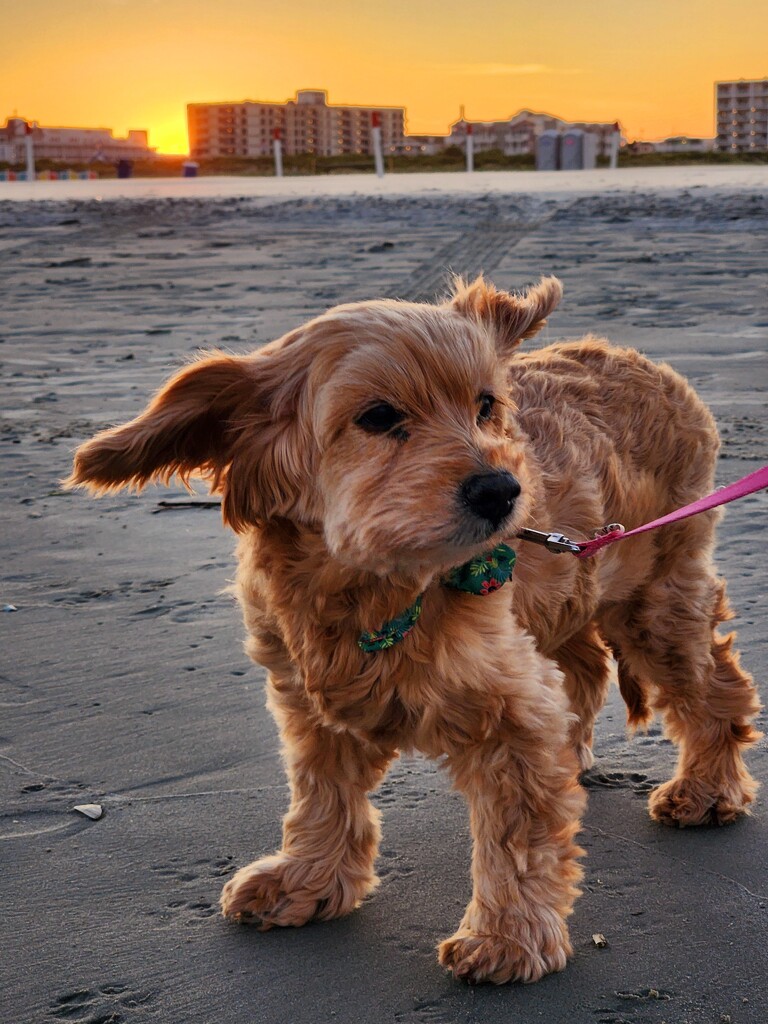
(525, 803)
(330, 833)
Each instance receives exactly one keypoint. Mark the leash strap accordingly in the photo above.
(747, 485)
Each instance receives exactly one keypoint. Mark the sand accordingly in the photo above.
(752, 177)
(123, 678)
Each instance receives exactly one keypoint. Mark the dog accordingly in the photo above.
(370, 458)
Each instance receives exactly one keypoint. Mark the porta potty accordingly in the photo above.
(548, 151)
(579, 150)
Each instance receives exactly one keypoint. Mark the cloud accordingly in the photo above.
(508, 69)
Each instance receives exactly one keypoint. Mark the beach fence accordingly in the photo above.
(378, 151)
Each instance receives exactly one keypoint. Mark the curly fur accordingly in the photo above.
(340, 530)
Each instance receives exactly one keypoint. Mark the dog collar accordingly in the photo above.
(480, 576)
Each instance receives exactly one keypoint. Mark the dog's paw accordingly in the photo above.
(475, 957)
(686, 801)
(284, 892)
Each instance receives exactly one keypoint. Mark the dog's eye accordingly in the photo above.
(380, 419)
(487, 403)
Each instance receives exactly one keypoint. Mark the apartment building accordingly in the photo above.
(518, 134)
(71, 145)
(742, 115)
(307, 124)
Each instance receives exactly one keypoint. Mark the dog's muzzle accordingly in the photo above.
(490, 496)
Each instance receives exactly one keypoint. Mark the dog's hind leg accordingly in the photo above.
(673, 660)
(584, 661)
(330, 833)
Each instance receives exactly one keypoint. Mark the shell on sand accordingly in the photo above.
(92, 811)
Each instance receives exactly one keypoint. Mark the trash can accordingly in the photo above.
(189, 169)
(124, 168)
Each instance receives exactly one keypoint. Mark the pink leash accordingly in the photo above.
(747, 485)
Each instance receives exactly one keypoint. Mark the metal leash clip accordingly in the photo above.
(555, 542)
(605, 530)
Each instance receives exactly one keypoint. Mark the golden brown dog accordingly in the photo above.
(364, 456)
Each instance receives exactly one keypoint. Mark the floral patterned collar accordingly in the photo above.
(480, 576)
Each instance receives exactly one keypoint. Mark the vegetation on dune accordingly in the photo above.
(452, 158)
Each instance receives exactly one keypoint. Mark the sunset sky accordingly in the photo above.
(136, 63)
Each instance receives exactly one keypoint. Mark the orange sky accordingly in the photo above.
(136, 63)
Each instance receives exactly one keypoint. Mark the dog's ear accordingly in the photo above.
(184, 429)
(513, 317)
(229, 419)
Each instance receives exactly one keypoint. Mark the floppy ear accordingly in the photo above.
(513, 316)
(184, 429)
(216, 418)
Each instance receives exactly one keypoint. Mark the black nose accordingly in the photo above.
(491, 495)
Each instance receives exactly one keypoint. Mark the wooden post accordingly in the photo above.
(277, 147)
(378, 156)
(615, 140)
(30, 151)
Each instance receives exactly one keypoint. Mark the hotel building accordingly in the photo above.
(307, 124)
(71, 145)
(742, 115)
(518, 134)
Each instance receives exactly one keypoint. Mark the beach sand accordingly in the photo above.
(124, 682)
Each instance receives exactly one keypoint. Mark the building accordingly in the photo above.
(423, 145)
(70, 145)
(517, 135)
(233, 129)
(640, 148)
(742, 115)
(684, 144)
(307, 124)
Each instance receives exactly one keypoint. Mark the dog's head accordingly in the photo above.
(386, 425)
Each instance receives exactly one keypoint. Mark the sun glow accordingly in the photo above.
(137, 63)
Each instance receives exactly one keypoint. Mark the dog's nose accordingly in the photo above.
(491, 495)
